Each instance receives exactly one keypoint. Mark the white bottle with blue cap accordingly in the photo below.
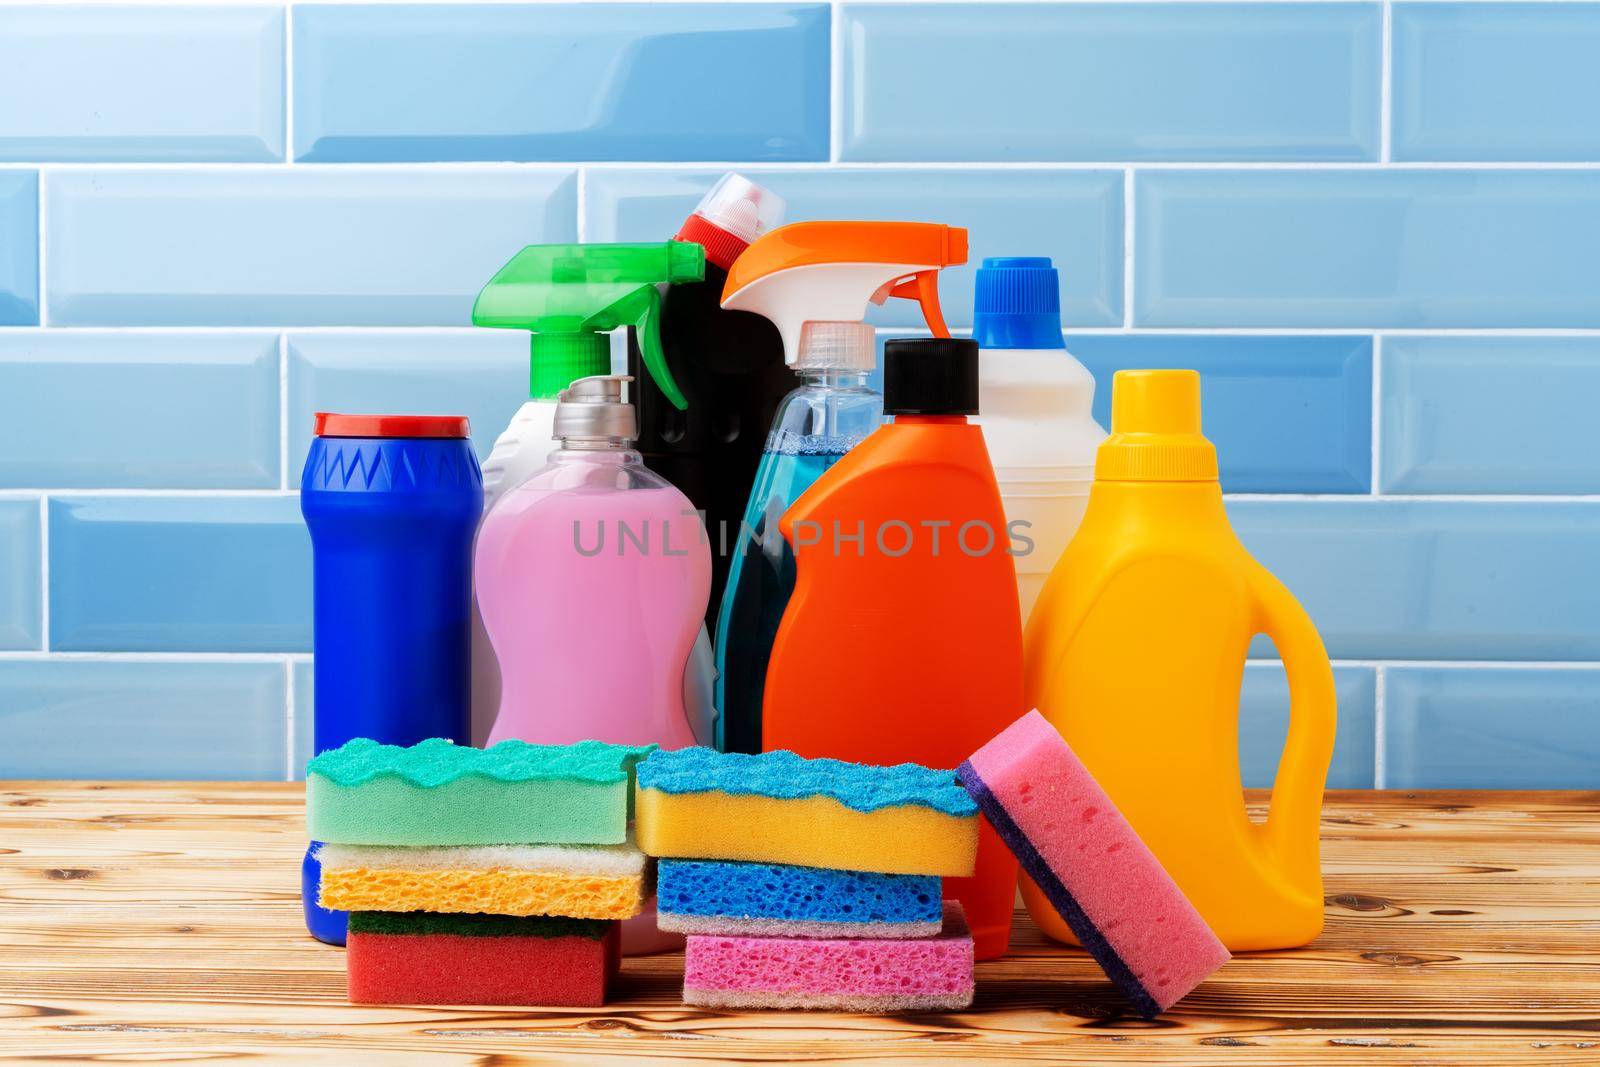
(1037, 412)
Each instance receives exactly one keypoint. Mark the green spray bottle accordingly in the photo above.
(569, 297)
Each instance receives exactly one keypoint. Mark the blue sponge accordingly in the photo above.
(777, 900)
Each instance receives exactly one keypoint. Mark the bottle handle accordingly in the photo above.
(1294, 814)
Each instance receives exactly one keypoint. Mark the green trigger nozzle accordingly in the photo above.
(569, 296)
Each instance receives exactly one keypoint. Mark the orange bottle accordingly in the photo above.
(1136, 650)
(903, 638)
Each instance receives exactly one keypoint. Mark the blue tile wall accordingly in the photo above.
(1264, 723)
(72, 718)
(1423, 579)
(216, 219)
(1172, 81)
(1287, 414)
(1074, 216)
(1492, 729)
(21, 619)
(561, 81)
(1490, 415)
(290, 246)
(141, 83)
(183, 573)
(19, 248)
(304, 740)
(151, 410)
(1488, 81)
(1365, 248)
(482, 374)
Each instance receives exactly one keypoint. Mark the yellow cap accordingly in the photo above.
(1155, 430)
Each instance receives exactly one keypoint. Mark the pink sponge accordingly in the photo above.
(1106, 884)
(837, 974)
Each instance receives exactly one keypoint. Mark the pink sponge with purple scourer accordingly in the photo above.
(1084, 856)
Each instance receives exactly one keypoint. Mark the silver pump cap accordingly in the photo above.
(594, 409)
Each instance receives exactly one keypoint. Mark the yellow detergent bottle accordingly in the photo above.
(1136, 651)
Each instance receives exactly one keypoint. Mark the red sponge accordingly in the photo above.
(422, 958)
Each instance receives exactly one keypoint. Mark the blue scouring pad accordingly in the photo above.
(778, 900)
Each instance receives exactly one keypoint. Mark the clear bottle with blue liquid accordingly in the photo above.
(833, 411)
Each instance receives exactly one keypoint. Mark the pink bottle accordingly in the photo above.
(593, 577)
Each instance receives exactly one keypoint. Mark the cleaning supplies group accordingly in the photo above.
(869, 581)
(497, 876)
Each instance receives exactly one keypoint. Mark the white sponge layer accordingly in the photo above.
(607, 861)
(737, 926)
(889, 1004)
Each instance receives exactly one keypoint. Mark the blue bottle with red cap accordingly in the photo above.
(392, 502)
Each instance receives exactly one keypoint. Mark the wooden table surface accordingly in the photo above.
(151, 921)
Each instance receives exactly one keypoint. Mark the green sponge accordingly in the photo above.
(438, 793)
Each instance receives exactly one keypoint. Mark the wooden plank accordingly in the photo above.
(157, 920)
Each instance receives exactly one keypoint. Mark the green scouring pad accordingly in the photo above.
(439, 793)
(421, 923)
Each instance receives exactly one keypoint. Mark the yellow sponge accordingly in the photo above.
(599, 882)
(780, 808)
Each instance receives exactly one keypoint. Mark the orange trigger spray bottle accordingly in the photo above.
(815, 282)
(902, 640)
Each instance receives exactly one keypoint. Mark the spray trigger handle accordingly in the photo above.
(832, 271)
(923, 287)
(648, 329)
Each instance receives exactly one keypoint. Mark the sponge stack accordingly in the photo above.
(810, 883)
(478, 876)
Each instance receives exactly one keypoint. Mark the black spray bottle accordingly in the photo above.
(730, 367)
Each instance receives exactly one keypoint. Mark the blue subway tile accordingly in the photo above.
(482, 374)
(1491, 728)
(185, 574)
(291, 246)
(304, 719)
(123, 719)
(21, 625)
(1162, 81)
(1372, 248)
(1490, 415)
(561, 82)
(19, 248)
(163, 83)
(1435, 579)
(171, 411)
(1488, 81)
(1074, 216)
(1264, 723)
(1287, 414)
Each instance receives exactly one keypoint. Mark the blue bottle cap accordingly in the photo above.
(1018, 303)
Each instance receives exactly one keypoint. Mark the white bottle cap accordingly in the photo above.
(837, 346)
(742, 207)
